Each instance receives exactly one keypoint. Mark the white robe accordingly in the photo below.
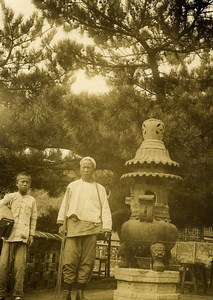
(84, 202)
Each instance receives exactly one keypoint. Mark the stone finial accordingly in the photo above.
(152, 149)
(153, 129)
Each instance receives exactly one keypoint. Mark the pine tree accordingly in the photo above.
(137, 37)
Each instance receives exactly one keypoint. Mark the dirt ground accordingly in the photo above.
(103, 295)
(103, 290)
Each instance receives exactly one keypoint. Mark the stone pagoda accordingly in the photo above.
(149, 235)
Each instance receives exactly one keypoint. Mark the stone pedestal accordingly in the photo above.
(142, 284)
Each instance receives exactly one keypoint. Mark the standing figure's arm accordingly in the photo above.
(33, 221)
(60, 218)
(106, 213)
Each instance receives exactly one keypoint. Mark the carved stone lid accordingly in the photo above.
(152, 149)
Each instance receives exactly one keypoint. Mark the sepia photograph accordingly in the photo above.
(106, 149)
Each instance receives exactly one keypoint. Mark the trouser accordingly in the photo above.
(79, 259)
(13, 253)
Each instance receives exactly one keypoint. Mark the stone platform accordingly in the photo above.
(145, 284)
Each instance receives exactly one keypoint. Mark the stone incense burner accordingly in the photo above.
(149, 235)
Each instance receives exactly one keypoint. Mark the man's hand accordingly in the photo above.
(107, 235)
(30, 240)
(61, 231)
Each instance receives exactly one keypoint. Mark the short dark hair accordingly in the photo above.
(23, 174)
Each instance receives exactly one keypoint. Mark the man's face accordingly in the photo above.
(23, 183)
(86, 169)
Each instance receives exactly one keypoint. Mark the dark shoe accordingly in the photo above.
(65, 295)
(80, 295)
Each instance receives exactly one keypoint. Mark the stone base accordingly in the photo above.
(146, 284)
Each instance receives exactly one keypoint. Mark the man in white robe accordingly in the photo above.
(86, 209)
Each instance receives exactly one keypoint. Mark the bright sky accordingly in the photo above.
(95, 85)
(24, 7)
